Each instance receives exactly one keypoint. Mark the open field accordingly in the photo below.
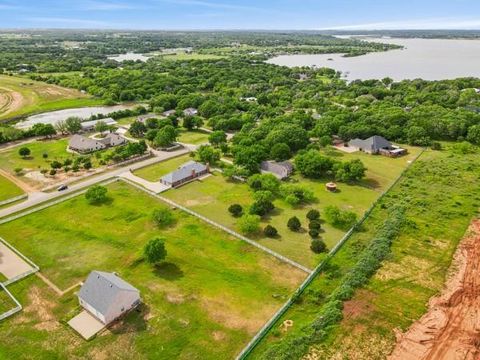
(203, 302)
(195, 137)
(20, 96)
(212, 196)
(8, 189)
(437, 195)
(156, 171)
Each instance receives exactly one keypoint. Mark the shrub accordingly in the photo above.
(261, 207)
(314, 233)
(263, 195)
(296, 194)
(338, 218)
(18, 170)
(97, 194)
(45, 155)
(249, 224)
(24, 152)
(235, 209)
(313, 215)
(270, 231)
(294, 224)
(314, 225)
(154, 251)
(163, 217)
(264, 182)
(318, 246)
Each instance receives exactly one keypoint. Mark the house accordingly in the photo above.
(377, 145)
(143, 118)
(185, 173)
(169, 113)
(90, 125)
(83, 144)
(249, 99)
(107, 297)
(190, 112)
(281, 170)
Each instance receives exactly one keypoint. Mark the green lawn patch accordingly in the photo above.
(8, 189)
(203, 302)
(195, 137)
(156, 171)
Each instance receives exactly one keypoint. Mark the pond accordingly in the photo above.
(53, 117)
(129, 56)
(429, 59)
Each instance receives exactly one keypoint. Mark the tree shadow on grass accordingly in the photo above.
(107, 201)
(369, 184)
(168, 271)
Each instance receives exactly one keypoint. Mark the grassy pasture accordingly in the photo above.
(8, 189)
(21, 96)
(203, 302)
(195, 137)
(156, 171)
(437, 192)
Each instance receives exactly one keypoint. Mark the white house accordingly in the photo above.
(107, 297)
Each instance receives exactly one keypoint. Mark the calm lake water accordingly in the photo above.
(421, 58)
(53, 117)
(129, 56)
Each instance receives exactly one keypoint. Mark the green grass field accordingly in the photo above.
(212, 196)
(191, 56)
(195, 137)
(437, 193)
(8, 189)
(6, 302)
(203, 302)
(20, 96)
(156, 171)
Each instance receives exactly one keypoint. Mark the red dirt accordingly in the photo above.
(450, 330)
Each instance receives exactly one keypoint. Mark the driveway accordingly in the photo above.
(86, 325)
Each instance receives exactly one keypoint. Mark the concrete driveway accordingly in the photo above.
(86, 325)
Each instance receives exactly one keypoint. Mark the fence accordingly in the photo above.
(10, 312)
(13, 199)
(217, 225)
(273, 320)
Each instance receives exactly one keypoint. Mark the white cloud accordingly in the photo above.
(423, 24)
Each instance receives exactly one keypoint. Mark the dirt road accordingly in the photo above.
(450, 330)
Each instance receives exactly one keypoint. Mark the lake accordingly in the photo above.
(435, 59)
(53, 117)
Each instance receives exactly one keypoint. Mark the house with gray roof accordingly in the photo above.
(112, 139)
(190, 112)
(376, 145)
(90, 125)
(85, 145)
(281, 169)
(107, 297)
(169, 112)
(185, 173)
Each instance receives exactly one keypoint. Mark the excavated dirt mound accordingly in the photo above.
(451, 327)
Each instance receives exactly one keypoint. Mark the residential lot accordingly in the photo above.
(195, 137)
(8, 189)
(156, 171)
(212, 196)
(203, 302)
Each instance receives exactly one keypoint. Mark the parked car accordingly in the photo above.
(62, 187)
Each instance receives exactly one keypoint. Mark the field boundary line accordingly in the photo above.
(219, 226)
(13, 199)
(16, 309)
(273, 320)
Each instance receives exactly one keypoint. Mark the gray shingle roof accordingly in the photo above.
(374, 143)
(112, 139)
(102, 288)
(79, 142)
(92, 123)
(184, 172)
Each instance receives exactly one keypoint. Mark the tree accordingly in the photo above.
(314, 165)
(55, 164)
(325, 140)
(217, 137)
(280, 152)
(154, 251)
(24, 152)
(261, 207)
(96, 194)
(73, 124)
(249, 224)
(45, 155)
(235, 209)
(165, 136)
(61, 127)
(101, 126)
(342, 219)
(474, 134)
(313, 215)
(208, 155)
(192, 122)
(270, 231)
(264, 182)
(137, 129)
(313, 233)
(163, 217)
(315, 225)
(318, 246)
(348, 171)
(263, 195)
(249, 157)
(294, 224)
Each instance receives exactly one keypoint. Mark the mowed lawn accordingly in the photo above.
(205, 301)
(6, 302)
(195, 137)
(8, 189)
(156, 171)
(212, 196)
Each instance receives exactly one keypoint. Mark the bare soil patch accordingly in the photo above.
(451, 327)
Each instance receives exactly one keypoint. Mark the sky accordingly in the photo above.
(241, 14)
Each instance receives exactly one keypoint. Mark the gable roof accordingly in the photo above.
(112, 139)
(101, 289)
(280, 168)
(92, 123)
(83, 143)
(184, 172)
(375, 143)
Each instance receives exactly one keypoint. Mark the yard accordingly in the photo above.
(156, 171)
(6, 302)
(212, 196)
(202, 302)
(195, 137)
(8, 189)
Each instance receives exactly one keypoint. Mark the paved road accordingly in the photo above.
(40, 197)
